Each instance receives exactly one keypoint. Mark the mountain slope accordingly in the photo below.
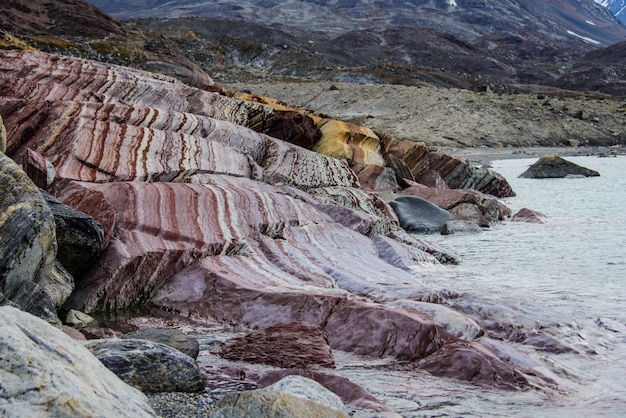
(617, 7)
(468, 19)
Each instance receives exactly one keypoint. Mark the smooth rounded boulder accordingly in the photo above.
(419, 215)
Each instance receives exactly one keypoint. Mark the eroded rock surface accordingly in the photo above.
(291, 345)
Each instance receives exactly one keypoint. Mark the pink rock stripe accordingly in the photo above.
(37, 76)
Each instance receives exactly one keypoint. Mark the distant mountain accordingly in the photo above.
(467, 19)
(617, 7)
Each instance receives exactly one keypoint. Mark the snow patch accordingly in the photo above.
(584, 38)
(589, 22)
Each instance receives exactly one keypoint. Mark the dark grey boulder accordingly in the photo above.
(171, 337)
(551, 166)
(419, 215)
(79, 236)
(148, 366)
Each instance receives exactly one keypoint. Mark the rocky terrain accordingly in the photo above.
(163, 170)
(455, 118)
(224, 218)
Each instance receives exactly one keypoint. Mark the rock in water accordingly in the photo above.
(551, 166)
(419, 215)
(150, 367)
(46, 373)
(528, 215)
(268, 403)
(27, 236)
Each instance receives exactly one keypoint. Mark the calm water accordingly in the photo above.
(572, 267)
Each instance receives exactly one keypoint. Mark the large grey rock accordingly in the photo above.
(79, 236)
(45, 373)
(419, 215)
(27, 238)
(309, 389)
(149, 366)
(268, 403)
(551, 166)
(171, 337)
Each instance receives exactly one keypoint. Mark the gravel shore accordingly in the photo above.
(182, 405)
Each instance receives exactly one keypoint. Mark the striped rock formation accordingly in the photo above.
(203, 214)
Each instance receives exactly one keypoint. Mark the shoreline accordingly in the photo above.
(483, 155)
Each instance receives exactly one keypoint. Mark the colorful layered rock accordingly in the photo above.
(205, 215)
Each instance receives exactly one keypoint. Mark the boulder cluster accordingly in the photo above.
(124, 189)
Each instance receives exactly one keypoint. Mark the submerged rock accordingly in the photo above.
(149, 366)
(551, 166)
(46, 373)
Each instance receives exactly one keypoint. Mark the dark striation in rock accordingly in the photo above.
(79, 236)
(551, 166)
(289, 345)
(148, 366)
(170, 337)
(419, 215)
